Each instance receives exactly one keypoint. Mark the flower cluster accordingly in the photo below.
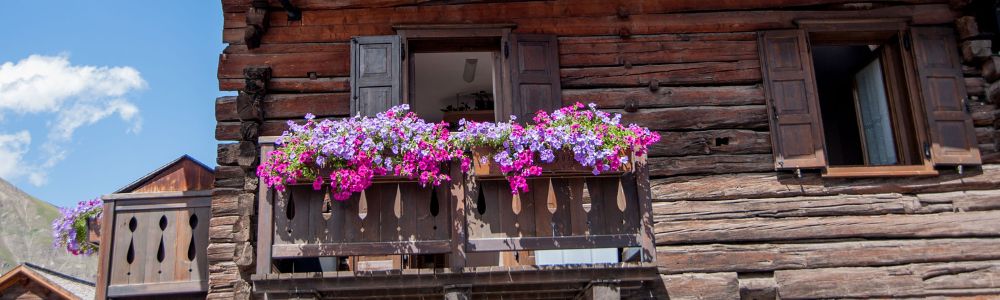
(356, 149)
(69, 231)
(596, 139)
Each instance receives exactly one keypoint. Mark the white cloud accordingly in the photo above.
(67, 96)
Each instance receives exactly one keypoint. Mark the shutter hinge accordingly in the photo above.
(967, 105)
(402, 51)
(774, 113)
(907, 41)
(927, 150)
(506, 49)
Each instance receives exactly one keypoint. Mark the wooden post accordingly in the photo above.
(603, 290)
(265, 221)
(104, 252)
(459, 194)
(646, 236)
(456, 292)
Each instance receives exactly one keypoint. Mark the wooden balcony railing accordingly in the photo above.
(468, 216)
(154, 243)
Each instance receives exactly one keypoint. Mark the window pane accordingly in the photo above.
(873, 108)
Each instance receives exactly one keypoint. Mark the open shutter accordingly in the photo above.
(376, 76)
(942, 89)
(534, 68)
(796, 127)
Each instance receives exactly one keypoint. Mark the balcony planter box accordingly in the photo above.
(94, 230)
(564, 164)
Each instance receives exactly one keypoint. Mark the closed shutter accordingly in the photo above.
(942, 90)
(376, 76)
(796, 128)
(534, 68)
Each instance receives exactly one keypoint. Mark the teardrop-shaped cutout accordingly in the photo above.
(130, 255)
(132, 224)
(363, 206)
(481, 202)
(160, 252)
(192, 250)
(587, 198)
(290, 207)
(434, 203)
(193, 221)
(163, 222)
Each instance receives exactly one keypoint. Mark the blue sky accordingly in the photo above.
(136, 80)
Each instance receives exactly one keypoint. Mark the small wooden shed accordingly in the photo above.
(155, 234)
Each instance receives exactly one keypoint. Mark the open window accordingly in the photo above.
(450, 72)
(866, 99)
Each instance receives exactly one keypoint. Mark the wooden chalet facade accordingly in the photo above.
(811, 149)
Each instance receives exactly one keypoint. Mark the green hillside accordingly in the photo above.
(25, 235)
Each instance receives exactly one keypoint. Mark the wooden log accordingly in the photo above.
(667, 96)
(965, 200)
(991, 69)
(971, 71)
(709, 164)
(975, 86)
(708, 117)
(916, 280)
(993, 92)
(724, 141)
(289, 106)
(805, 206)
(967, 27)
(702, 286)
(321, 64)
(593, 6)
(738, 72)
(657, 49)
(286, 48)
(772, 184)
(340, 28)
(294, 85)
(771, 257)
(984, 135)
(976, 50)
(983, 115)
(967, 224)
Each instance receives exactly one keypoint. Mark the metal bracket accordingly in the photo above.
(798, 173)
(959, 168)
(506, 50)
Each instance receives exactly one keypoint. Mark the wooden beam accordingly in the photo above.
(702, 286)
(365, 248)
(557, 242)
(943, 225)
(639, 98)
(916, 280)
(780, 256)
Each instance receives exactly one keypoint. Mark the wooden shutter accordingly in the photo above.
(376, 76)
(942, 90)
(534, 74)
(790, 86)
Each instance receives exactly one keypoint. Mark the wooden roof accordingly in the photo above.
(182, 174)
(35, 280)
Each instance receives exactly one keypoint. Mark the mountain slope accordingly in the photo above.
(26, 235)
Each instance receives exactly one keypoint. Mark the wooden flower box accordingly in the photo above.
(94, 231)
(564, 164)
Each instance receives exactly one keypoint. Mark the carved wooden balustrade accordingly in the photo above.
(461, 227)
(155, 243)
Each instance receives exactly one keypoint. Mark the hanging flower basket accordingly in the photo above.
(72, 230)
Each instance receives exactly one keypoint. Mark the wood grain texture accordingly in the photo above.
(766, 185)
(617, 98)
(967, 224)
(916, 280)
(792, 256)
(702, 286)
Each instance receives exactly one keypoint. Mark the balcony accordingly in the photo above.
(471, 236)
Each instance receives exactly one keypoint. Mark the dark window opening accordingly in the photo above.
(864, 103)
(454, 79)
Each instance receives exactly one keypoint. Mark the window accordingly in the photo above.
(450, 72)
(866, 99)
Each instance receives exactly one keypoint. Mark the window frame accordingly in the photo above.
(501, 70)
(847, 31)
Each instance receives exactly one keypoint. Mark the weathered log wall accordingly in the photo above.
(727, 225)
